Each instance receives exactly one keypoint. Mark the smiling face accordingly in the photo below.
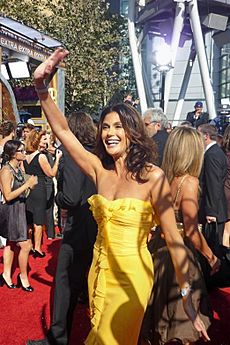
(43, 142)
(113, 136)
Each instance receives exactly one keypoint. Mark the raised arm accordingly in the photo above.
(88, 162)
(45, 165)
(162, 203)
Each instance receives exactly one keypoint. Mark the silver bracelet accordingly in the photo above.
(185, 291)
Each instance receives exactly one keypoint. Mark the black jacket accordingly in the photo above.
(160, 139)
(212, 179)
(203, 118)
(74, 188)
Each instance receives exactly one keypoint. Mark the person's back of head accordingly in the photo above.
(208, 130)
(183, 153)
(7, 128)
(185, 124)
(226, 140)
(9, 150)
(82, 126)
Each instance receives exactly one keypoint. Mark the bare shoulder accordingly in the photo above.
(156, 179)
(42, 156)
(191, 180)
(160, 194)
(5, 171)
(190, 184)
(155, 173)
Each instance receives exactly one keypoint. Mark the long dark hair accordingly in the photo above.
(82, 126)
(226, 140)
(9, 150)
(142, 151)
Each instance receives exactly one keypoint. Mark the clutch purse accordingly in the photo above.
(27, 191)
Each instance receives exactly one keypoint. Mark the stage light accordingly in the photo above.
(162, 58)
(19, 70)
(4, 72)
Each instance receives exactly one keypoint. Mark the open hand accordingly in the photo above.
(58, 154)
(210, 219)
(47, 68)
(200, 327)
(194, 317)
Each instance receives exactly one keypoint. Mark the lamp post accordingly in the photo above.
(162, 58)
(162, 101)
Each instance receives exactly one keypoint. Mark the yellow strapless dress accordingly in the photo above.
(121, 275)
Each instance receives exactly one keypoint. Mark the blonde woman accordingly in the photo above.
(165, 318)
(182, 165)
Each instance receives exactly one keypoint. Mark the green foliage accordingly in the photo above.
(94, 38)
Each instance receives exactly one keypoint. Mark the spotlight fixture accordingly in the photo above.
(19, 69)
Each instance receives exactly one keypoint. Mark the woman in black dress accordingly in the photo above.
(49, 150)
(36, 163)
(13, 187)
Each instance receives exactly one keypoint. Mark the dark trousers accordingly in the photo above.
(50, 211)
(213, 233)
(70, 280)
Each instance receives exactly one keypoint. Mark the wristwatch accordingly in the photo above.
(185, 291)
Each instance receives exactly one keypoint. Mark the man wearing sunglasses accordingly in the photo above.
(156, 124)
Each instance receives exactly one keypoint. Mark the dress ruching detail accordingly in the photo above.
(121, 263)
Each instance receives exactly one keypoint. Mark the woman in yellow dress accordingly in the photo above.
(133, 194)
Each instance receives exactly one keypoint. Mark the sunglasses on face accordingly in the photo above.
(148, 124)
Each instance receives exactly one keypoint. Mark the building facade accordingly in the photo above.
(156, 19)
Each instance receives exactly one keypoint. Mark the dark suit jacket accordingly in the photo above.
(74, 190)
(160, 139)
(212, 179)
(203, 118)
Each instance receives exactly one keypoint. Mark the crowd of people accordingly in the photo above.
(147, 211)
(25, 207)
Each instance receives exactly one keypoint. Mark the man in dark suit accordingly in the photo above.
(197, 117)
(213, 206)
(156, 124)
(79, 235)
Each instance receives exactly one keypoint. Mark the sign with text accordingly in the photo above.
(21, 45)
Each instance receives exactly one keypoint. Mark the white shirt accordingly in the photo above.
(210, 145)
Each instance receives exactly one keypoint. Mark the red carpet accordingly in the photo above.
(27, 315)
